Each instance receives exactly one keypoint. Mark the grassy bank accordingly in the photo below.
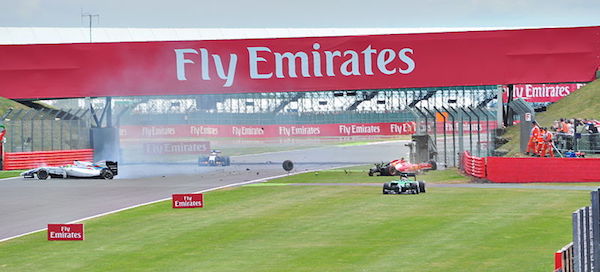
(584, 103)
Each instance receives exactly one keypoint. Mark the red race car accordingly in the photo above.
(397, 167)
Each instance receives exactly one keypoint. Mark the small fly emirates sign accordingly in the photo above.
(65, 232)
(188, 201)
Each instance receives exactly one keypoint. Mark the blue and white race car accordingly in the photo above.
(79, 169)
(214, 159)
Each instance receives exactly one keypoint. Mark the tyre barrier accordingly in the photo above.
(27, 160)
(474, 166)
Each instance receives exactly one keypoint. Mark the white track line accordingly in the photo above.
(10, 178)
(165, 199)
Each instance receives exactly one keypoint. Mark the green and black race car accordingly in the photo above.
(404, 185)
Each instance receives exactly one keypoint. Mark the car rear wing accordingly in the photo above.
(113, 166)
(408, 174)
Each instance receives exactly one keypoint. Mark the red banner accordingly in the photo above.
(177, 148)
(542, 92)
(65, 232)
(299, 64)
(188, 201)
(266, 131)
(502, 169)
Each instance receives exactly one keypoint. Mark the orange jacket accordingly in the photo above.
(535, 131)
(548, 137)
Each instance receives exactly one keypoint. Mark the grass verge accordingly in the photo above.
(10, 173)
(314, 228)
(359, 174)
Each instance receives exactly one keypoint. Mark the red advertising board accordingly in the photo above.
(177, 147)
(65, 232)
(187, 201)
(266, 131)
(542, 92)
(503, 169)
(299, 64)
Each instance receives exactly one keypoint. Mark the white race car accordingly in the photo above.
(214, 159)
(79, 169)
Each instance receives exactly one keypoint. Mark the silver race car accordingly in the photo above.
(79, 169)
(214, 159)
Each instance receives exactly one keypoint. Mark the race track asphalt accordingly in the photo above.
(28, 205)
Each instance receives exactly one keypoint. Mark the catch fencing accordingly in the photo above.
(578, 142)
(457, 130)
(46, 130)
(583, 254)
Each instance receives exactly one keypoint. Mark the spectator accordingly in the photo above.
(593, 131)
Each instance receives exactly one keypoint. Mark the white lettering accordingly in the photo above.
(291, 59)
(406, 59)
(231, 71)
(181, 61)
(385, 57)
(254, 59)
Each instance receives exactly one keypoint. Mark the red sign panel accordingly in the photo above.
(68, 232)
(177, 147)
(188, 201)
(299, 64)
(542, 92)
(266, 131)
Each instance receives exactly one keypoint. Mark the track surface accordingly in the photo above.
(29, 204)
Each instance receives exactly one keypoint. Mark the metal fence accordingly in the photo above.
(579, 142)
(585, 256)
(46, 129)
(459, 129)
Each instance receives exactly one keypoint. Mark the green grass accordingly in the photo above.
(359, 174)
(584, 103)
(315, 228)
(10, 173)
(5, 104)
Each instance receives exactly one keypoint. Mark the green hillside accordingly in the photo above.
(5, 104)
(584, 103)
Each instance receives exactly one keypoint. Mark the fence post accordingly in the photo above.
(577, 241)
(595, 225)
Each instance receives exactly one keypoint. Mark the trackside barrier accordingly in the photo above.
(583, 254)
(26, 160)
(563, 259)
(474, 166)
(503, 169)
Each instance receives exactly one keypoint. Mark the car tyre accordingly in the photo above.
(422, 186)
(386, 188)
(202, 161)
(106, 174)
(42, 174)
(392, 170)
(370, 172)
